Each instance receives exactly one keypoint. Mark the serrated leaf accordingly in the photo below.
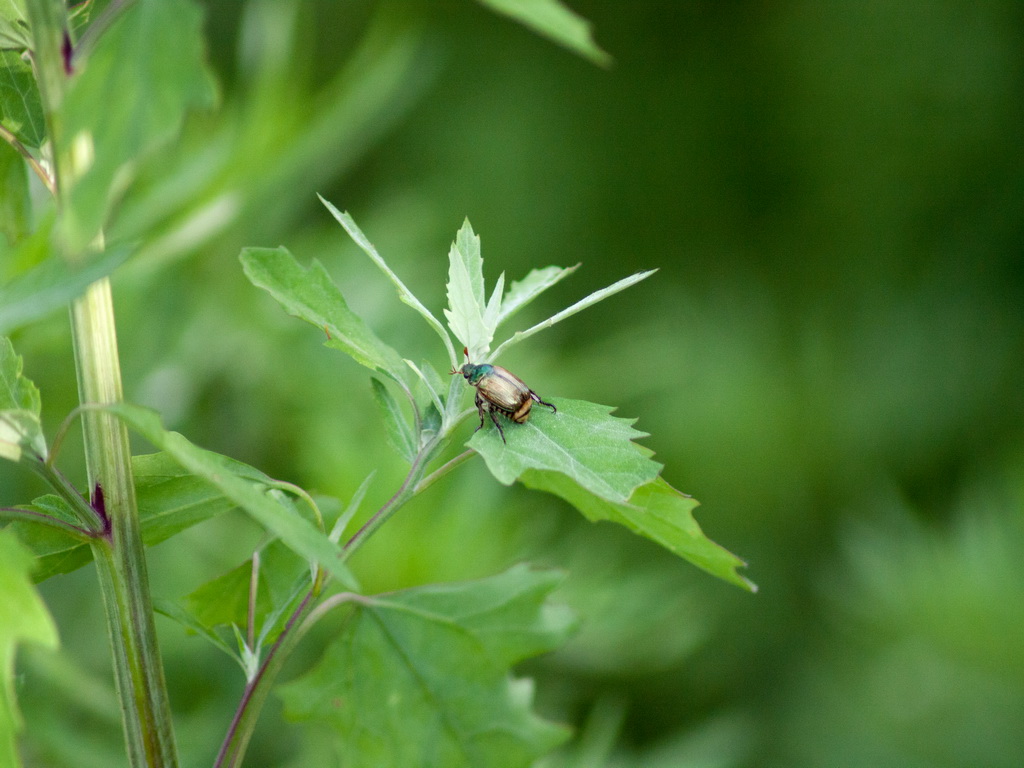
(21, 111)
(582, 441)
(129, 97)
(23, 618)
(279, 518)
(466, 309)
(656, 511)
(579, 306)
(51, 285)
(522, 292)
(421, 677)
(555, 21)
(404, 294)
(396, 425)
(311, 295)
(20, 427)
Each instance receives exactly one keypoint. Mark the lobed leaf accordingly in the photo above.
(311, 295)
(467, 313)
(557, 22)
(421, 677)
(582, 441)
(23, 618)
(656, 511)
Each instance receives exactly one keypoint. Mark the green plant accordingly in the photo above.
(420, 676)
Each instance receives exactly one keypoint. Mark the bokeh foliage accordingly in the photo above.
(829, 357)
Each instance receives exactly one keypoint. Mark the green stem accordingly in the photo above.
(243, 724)
(119, 552)
(120, 557)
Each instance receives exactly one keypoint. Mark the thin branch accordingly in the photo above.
(27, 515)
(36, 166)
(443, 470)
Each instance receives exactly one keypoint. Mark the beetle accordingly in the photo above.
(498, 390)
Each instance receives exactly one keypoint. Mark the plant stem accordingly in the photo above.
(236, 740)
(120, 557)
(119, 553)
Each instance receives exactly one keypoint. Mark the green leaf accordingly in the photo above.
(404, 294)
(471, 321)
(396, 425)
(310, 295)
(20, 428)
(15, 207)
(247, 492)
(556, 22)
(23, 618)
(656, 511)
(55, 551)
(170, 500)
(21, 110)
(582, 441)
(129, 98)
(579, 306)
(522, 292)
(282, 581)
(421, 677)
(14, 25)
(51, 285)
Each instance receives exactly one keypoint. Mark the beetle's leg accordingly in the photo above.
(480, 409)
(536, 397)
(494, 418)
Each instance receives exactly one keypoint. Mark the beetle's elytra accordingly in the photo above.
(498, 390)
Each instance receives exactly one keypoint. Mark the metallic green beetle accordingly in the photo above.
(499, 390)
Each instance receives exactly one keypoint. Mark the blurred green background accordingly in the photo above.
(830, 357)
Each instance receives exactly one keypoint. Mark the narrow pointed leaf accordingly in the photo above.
(311, 295)
(281, 519)
(579, 306)
(421, 677)
(23, 618)
(582, 441)
(555, 21)
(522, 292)
(404, 294)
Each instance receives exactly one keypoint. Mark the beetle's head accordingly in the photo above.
(462, 370)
